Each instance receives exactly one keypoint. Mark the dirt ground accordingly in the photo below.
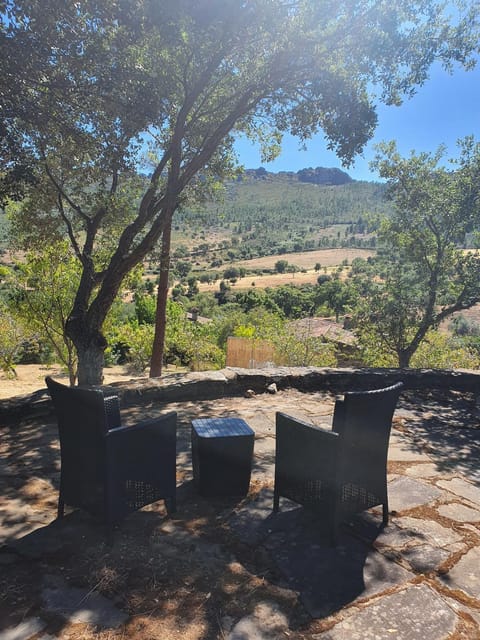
(31, 377)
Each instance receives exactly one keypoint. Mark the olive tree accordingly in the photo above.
(187, 76)
(422, 274)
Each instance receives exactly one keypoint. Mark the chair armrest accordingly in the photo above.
(304, 449)
(164, 426)
(286, 422)
(144, 448)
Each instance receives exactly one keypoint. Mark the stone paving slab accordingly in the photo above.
(400, 536)
(328, 578)
(267, 622)
(429, 531)
(25, 630)
(452, 442)
(401, 449)
(252, 523)
(425, 558)
(44, 541)
(80, 605)
(465, 575)
(459, 512)
(407, 493)
(424, 470)
(414, 613)
(265, 446)
(462, 488)
(18, 518)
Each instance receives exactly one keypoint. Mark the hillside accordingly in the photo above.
(262, 214)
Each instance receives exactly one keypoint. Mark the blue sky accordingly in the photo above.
(445, 108)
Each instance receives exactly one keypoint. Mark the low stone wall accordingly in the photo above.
(208, 385)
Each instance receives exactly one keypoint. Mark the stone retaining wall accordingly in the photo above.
(234, 382)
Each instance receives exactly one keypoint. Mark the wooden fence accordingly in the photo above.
(250, 354)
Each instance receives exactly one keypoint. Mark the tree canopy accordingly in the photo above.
(422, 274)
(86, 86)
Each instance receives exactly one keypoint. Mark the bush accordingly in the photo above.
(131, 343)
(462, 326)
(34, 350)
(145, 308)
(11, 336)
(439, 351)
(231, 273)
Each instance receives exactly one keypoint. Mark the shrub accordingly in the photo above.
(131, 343)
(11, 336)
(439, 351)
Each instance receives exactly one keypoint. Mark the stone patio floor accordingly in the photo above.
(417, 579)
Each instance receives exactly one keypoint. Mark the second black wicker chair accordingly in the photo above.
(107, 469)
(340, 472)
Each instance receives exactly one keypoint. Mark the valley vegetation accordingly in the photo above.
(417, 263)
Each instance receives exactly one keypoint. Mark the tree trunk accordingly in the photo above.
(404, 358)
(158, 347)
(90, 345)
(90, 365)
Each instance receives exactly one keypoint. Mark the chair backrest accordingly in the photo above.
(82, 424)
(364, 424)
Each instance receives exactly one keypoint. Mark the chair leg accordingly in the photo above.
(60, 508)
(276, 501)
(171, 504)
(385, 514)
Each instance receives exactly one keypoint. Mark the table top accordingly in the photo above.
(221, 427)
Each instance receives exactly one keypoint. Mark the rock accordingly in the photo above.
(249, 393)
(272, 388)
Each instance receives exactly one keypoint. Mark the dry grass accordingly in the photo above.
(264, 281)
(307, 259)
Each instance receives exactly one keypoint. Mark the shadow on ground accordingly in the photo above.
(444, 425)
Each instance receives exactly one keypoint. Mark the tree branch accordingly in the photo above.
(62, 191)
(68, 224)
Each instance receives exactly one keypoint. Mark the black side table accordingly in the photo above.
(222, 451)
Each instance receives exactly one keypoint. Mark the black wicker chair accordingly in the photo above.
(340, 472)
(107, 469)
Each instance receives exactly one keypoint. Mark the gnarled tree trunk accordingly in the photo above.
(90, 345)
